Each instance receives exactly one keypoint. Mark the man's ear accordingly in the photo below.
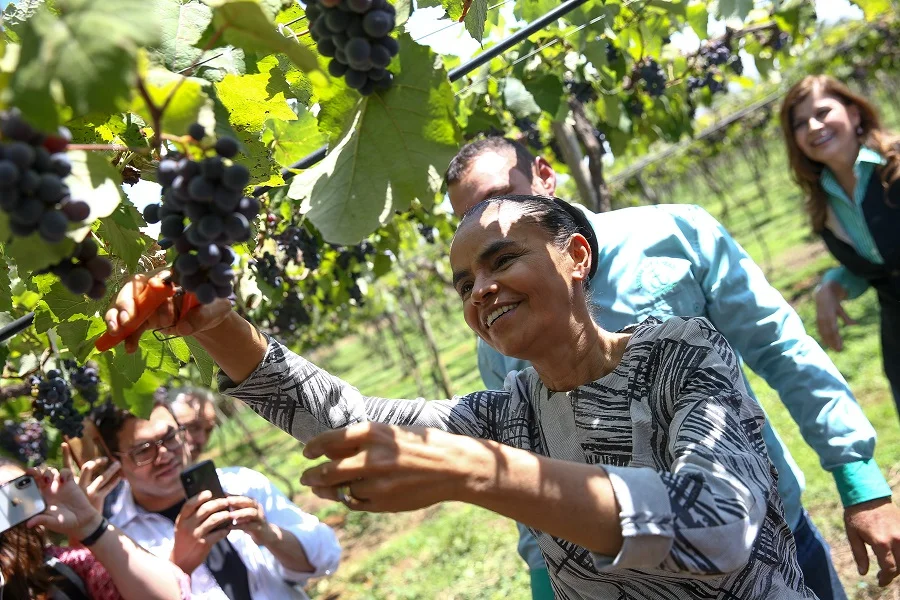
(544, 180)
(580, 252)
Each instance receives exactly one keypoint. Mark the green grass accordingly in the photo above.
(461, 552)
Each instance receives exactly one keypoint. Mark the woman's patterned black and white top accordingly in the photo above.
(672, 425)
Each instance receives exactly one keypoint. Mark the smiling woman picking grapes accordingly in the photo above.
(636, 457)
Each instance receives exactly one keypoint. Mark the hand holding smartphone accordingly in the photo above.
(201, 477)
(20, 499)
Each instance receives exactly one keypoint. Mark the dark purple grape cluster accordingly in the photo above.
(612, 53)
(85, 272)
(299, 244)
(653, 76)
(268, 270)
(715, 54)
(736, 65)
(25, 442)
(779, 40)
(290, 315)
(52, 399)
(358, 254)
(427, 232)
(635, 107)
(33, 166)
(355, 34)
(85, 379)
(203, 213)
(709, 80)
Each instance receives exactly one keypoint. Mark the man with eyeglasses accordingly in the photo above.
(195, 409)
(267, 546)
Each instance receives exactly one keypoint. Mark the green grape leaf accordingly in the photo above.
(874, 8)
(518, 99)
(289, 141)
(158, 355)
(734, 8)
(31, 254)
(698, 18)
(453, 8)
(476, 18)
(43, 318)
(246, 24)
(396, 150)
(547, 91)
(183, 24)
(246, 102)
(122, 241)
(86, 52)
(135, 396)
(17, 13)
(65, 305)
(78, 336)
(482, 120)
(189, 101)
(204, 362)
(529, 10)
(179, 349)
(404, 9)
(131, 366)
(5, 286)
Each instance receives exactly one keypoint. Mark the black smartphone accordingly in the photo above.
(200, 477)
(20, 499)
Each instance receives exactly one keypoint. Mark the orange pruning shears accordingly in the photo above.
(147, 301)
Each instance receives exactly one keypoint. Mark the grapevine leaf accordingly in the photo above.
(128, 244)
(136, 397)
(698, 18)
(547, 91)
(246, 24)
(180, 349)
(17, 13)
(65, 305)
(404, 9)
(183, 24)
(246, 103)
(79, 335)
(5, 286)
(158, 356)
(518, 99)
(734, 8)
(87, 51)
(475, 19)
(873, 8)
(43, 318)
(93, 180)
(396, 149)
(184, 108)
(292, 140)
(483, 120)
(529, 10)
(30, 362)
(31, 254)
(205, 364)
(454, 8)
(131, 366)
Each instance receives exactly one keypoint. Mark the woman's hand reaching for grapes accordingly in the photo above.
(199, 319)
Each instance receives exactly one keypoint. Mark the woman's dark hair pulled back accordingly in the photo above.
(558, 218)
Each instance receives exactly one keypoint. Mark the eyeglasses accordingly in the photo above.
(147, 452)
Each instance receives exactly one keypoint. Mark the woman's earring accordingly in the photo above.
(860, 130)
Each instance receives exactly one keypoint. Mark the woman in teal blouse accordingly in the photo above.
(848, 165)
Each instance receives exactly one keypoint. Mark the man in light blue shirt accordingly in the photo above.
(677, 260)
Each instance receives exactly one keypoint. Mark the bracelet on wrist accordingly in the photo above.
(95, 535)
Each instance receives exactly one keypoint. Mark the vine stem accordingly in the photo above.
(108, 147)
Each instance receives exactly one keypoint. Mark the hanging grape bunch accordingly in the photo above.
(203, 213)
(713, 57)
(26, 442)
(355, 34)
(85, 379)
(53, 400)
(32, 168)
(654, 77)
(299, 242)
(268, 270)
(85, 272)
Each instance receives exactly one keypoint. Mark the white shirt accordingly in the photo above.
(267, 577)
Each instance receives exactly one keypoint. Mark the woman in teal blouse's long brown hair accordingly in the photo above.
(848, 166)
